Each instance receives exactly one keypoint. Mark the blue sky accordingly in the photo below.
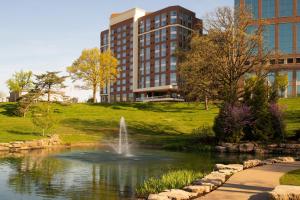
(41, 35)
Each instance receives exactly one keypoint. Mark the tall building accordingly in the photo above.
(145, 43)
(281, 22)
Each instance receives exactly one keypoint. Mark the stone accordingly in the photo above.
(176, 194)
(235, 167)
(252, 163)
(199, 189)
(220, 149)
(231, 147)
(212, 183)
(246, 148)
(272, 146)
(216, 176)
(285, 159)
(259, 150)
(157, 197)
(227, 172)
(285, 192)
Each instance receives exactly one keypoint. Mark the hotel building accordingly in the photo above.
(145, 43)
(281, 22)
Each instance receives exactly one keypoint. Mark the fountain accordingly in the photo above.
(123, 147)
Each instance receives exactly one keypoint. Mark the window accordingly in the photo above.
(141, 83)
(162, 79)
(252, 5)
(163, 50)
(163, 34)
(157, 21)
(173, 32)
(268, 9)
(271, 78)
(148, 53)
(298, 37)
(157, 36)
(141, 54)
(147, 81)
(286, 8)
(269, 37)
(124, 34)
(298, 76)
(173, 62)
(285, 38)
(156, 66)
(148, 25)
(142, 41)
(163, 20)
(148, 38)
(173, 17)
(142, 26)
(163, 65)
(173, 48)
(148, 68)
(156, 81)
(298, 7)
(157, 51)
(173, 78)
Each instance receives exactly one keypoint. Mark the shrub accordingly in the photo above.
(170, 180)
(230, 122)
(277, 121)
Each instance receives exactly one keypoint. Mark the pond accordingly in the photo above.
(93, 173)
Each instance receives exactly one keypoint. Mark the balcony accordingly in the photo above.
(165, 98)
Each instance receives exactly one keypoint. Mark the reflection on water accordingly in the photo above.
(92, 174)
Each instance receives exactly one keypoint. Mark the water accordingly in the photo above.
(94, 173)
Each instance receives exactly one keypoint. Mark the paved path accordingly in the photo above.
(252, 183)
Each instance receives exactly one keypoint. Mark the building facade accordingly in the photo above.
(145, 43)
(281, 25)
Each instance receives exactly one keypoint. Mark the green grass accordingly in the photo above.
(170, 180)
(164, 124)
(291, 178)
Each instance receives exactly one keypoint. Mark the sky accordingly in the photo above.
(48, 35)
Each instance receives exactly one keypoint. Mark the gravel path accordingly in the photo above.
(252, 183)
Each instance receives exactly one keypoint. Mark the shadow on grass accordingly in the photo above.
(154, 107)
(8, 109)
(23, 133)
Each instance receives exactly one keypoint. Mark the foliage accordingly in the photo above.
(27, 101)
(42, 117)
(281, 81)
(230, 123)
(170, 180)
(225, 55)
(277, 121)
(49, 82)
(291, 178)
(20, 81)
(94, 68)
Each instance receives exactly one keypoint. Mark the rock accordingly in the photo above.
(235, 167)
(212, 183)
(293, 146)
(252, 163)
(176, 194)
(220, 149)
(285, 192)
(260, 150)
(157, 197)
(231, 147)
(246, 148)
(272, 146)
(199, 189)
(285, 159)
(217, 176)
(227, 172)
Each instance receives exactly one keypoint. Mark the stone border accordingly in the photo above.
(16, 146)
(214, 180)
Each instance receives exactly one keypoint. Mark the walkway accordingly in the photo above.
(252, 183)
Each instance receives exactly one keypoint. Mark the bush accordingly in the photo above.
(170, 180)
(277, 121)
(231, 121)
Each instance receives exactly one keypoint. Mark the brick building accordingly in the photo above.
(281, 22)
(145, 43)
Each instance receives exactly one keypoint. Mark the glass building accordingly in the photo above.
(281, 22)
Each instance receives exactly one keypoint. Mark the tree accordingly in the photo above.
(229, 52)
(281, 82)
(109, 68)
(42, 117)
(195, 82)
(20, 81)
(49, 82)
(94, 68)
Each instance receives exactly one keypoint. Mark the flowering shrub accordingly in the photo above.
(230, 122)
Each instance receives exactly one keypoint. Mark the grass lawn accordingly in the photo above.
(291, 178)
(151, 123)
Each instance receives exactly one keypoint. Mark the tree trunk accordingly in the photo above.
(206, 103)
(48, 96)
(94, 93)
